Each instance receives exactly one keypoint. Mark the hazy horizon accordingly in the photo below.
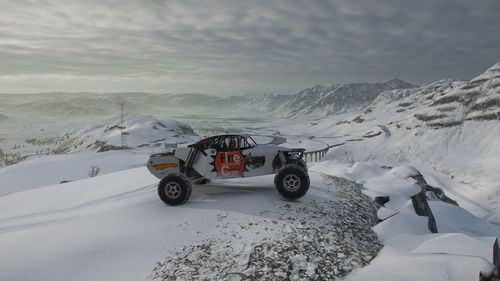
(193, 93)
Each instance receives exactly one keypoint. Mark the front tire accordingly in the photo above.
(174, 189)
(292, 181)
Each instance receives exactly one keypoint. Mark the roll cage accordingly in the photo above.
(229, 142)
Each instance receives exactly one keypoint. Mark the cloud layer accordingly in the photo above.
(229, 46)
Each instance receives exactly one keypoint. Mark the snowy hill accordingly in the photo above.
(138, 130)
(320, 101)
(448, 127)
(315, 100)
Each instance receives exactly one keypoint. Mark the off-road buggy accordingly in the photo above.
(227, 156)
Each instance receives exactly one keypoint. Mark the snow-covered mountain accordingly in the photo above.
(321, 100)
(317, 100)
(450, 127)
(450, 103)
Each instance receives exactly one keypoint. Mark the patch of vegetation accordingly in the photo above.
(109, 147)
(446, 109)
(469, 97)
(469, 86)
(358, 119)
(7, 159)
(477, 82)
(371, 134)
(485, 117)
(405, 104)
(109, 129)
(423, 117)
(445, 100)
(494, 102)
(94, 171)
(47, 140)
(444, 124)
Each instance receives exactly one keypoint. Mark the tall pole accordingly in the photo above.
(123, 136)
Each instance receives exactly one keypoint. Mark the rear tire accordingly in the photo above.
(292, 181)
(174, 189)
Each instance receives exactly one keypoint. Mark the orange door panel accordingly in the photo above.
(229, 164)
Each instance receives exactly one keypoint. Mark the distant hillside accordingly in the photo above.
(448, 126)
(448, 103)
(139, 131)
(338, 98)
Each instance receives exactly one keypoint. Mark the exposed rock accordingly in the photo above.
(320, 241)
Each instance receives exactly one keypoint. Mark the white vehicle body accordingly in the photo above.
(211, 160)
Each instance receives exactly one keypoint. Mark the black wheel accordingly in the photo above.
(174, 189)
(292, 181)
(302, 164)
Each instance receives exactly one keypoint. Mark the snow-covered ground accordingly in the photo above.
(114, 227)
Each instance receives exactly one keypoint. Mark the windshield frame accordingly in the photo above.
(252, 141)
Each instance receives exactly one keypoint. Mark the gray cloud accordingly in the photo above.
(224, 46)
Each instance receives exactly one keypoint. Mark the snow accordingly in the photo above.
(463, 247)
(49, 170)
(458, 244)
(398, 261)
(111, 227)
(114, 227)
(140, 131)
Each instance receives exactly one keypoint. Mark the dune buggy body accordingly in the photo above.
(225, 156)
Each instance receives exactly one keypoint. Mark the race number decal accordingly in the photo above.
(229, 164)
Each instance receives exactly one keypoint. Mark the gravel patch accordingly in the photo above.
(324, 239)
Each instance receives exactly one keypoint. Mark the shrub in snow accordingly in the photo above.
(94, 171)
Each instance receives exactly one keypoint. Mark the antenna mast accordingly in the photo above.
(123, 134)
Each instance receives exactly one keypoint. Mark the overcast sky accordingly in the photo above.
(237, 47)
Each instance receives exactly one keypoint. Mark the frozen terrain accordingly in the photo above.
(58, 223)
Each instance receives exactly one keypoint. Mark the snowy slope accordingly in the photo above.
(114, 227)
(449, 129)
(53, 169)
(320, 101)
(464, 246)
(139, 131)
